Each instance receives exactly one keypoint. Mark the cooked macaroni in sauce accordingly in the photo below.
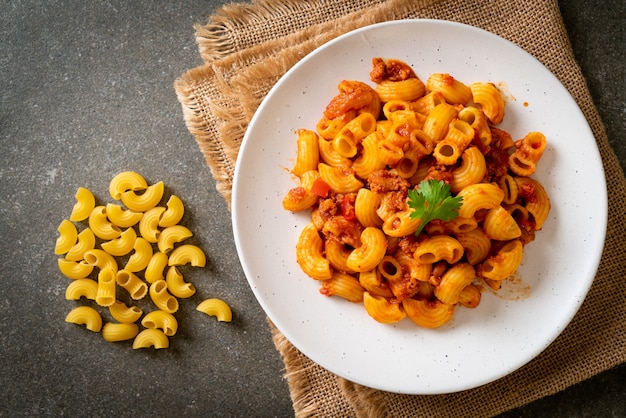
(360, 173)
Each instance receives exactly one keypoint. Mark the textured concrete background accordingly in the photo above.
(86, 92)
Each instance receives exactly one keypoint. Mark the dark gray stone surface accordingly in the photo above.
(86, 92)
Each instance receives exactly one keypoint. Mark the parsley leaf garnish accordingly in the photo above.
(432, 200)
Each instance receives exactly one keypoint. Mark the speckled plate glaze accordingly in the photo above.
(480, 345)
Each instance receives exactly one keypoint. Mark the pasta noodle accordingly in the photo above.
(85, 203)
(86, 240)
(67, 237)
(123, 218)
(87, 288)
(119, 332)
(162, 298)
(187, 254)
(101, 259)
(308, 156)
(174, 212)
(101, 226)
(125, 314)
(374, 148)
(150, 197)
(343, 285)
(217, 308)
(122, 245)
(141, 257)
(151, 337)
(87, 316)
(149, 224)
(125, 181)
(162, 320)
(156, 267)
(105, 295)
(177, 286)
(74, 269)
(135, 287)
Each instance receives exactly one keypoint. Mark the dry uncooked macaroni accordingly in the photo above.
(217, 308)
(129, 250)
(369, 148)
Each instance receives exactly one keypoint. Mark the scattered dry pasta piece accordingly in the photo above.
(126, 181)
(119, 332)
(151, 337)
(162, 320)
(85, 202)
(67, 237)
(217, 308)
(87, 288)
(87, 316)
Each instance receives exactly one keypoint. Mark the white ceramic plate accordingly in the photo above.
(479, 345)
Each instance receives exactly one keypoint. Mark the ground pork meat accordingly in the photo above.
(382, 181)
(344, 231)
(439, 172)
(327, 208)
(408, 244)
(353, 96)
(391, 69)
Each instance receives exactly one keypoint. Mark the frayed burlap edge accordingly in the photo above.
(226, 31)
(198, 121)
(300, 390)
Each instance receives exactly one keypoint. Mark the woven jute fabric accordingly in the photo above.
(246, 48)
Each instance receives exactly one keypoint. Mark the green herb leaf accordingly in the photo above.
(432, 200)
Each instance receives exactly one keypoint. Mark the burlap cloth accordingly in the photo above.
(248, 47)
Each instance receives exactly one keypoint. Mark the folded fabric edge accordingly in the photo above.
(299, 386)
(215, 39)
(366, 402)
(212, 149)
(270, 60)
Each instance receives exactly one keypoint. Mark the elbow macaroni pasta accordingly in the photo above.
(162, 297)
(162, 320)
(86, 241)
(174, 212)
(67, 237)
(217, 308)
(135, 287)
(125, 181)
(149, 224)
(141, 257)
(122, 245)
(187, 254)
(125, 314)
(85, 203)
(156, 267)
(124, 218)
(151, 337)
(361, 243)
(105, 295)
(87, 316)
(119, 332)
(101, 226)
(74, 269)
(150, 197)
(177, 286)
(87, 288)
(135, 246)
